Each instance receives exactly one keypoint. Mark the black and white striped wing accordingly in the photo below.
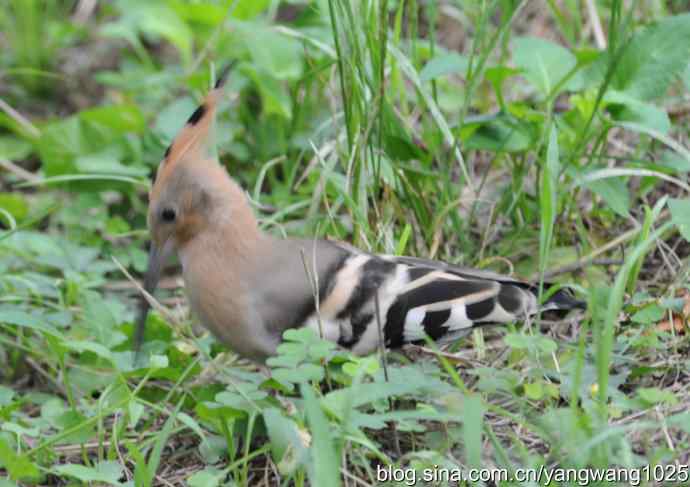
(441, 304)
(415, 299)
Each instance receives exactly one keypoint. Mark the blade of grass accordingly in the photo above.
(82, 177)
(547, 203)
(438, 117)
(161, 441)
(325, 468)
(615, 304)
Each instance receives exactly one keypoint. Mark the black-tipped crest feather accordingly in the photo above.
(197, 115)
(224, 75)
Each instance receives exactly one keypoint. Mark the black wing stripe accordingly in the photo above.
(479, 311)
(359, 325)
(418, 272)
(444, 290)
(511, 299)
(395, 323)
(435, 323)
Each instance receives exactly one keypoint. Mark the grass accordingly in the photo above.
(498, 134)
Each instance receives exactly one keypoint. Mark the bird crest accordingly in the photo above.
(195, 140)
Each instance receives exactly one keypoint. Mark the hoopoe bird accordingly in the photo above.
(247, 287)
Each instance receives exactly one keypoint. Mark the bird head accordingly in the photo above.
(183, 193)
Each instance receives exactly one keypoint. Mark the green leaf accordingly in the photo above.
(272, 53)
(59, 144)
(401, 148)
(173, 117)
(101, 321)
(208, 14)
(242, 396)
(517, 340)
(674, 162)
(82, 346)
(215, 447)
(158, 361)
(300, 373)
(107, 162)
(502, 133)
(397, 142)
(106, 472)
(15, 204)
(536, 343)
(19, 429)
(654, 395)
(208, 477)
(546, 345)
(544, 63)
(472, 424)
(136, 411)
(614, 191)
(120, 118)
(442, 65)
(361, 366)
(154, 19)
(20, 318)
(13, 148)
(288, 448)
(87, 144)
(497, 75)
(19, 467)
(325, 459)
(76, 422)
(654, 58)
(273, 94)
(681, 421)
(626, 108)
(192, 424)
(649, 314)
(680, 215)
(6, 395)
(249, 9)
(300, 356)
(534, 390)
(341, 401)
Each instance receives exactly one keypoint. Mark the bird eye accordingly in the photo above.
(168, 215)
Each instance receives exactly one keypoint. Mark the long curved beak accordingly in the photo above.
(157, 257)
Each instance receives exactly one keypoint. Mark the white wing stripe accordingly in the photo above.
(413, 324)
(424, 280)
(346, 281)
(458, 318)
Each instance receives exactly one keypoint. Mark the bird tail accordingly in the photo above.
(562, 300)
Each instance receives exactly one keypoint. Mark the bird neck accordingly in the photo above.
(231, 236)
(237, 228)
